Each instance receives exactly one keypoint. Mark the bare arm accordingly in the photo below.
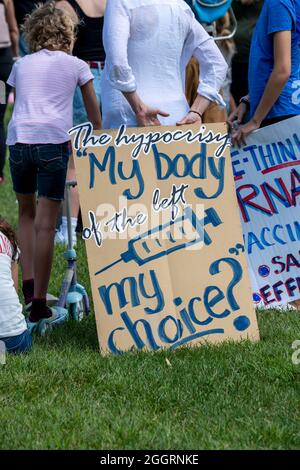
(279, 76)
(91, 104)
(13, 26)
(277, 81)
(197, 110)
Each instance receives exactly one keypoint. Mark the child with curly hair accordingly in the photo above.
(45, 82)
(13, 328)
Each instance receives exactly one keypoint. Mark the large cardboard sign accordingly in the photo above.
(267, 176)
(163, 237)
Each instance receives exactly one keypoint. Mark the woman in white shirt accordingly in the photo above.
(14, 335)
(148, 44)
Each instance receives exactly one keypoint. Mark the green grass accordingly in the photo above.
(64, 395)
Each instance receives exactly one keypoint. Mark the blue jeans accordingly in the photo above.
(79, 113)
(18, 344)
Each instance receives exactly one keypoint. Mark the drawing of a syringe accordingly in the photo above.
(148, 247)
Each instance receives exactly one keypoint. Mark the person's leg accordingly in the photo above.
(52, 161)
(26, 234)
(45, 224)
(24, 177)
(26, 240)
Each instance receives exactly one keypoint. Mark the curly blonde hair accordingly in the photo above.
(48, 27)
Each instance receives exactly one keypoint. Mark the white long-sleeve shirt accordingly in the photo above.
(148, 45)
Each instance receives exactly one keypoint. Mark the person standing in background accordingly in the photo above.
(247, 13)
(23, 8)
(45, 82)
(274, 70)
(228, 49)
(9, 48)
(148, 45)
(88, 47)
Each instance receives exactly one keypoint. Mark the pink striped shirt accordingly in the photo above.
(5, 246)
(45, 83)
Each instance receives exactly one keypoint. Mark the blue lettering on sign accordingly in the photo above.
(120, 289)
(171, 331)
(196, 167)
(180, 166)
(267, 157)
(109, 163)
(272, 236)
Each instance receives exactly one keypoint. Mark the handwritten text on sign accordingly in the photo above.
(267, 175)
(163, 236)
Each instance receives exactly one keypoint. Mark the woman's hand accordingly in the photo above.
(148, 116)
(190, 118)
(237, 115)
(145, 115)
(240, 135)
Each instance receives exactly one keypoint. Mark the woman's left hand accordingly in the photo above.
(240, 135)
(190, 118)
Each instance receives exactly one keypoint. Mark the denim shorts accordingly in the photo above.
(40, 168)
(18, 344)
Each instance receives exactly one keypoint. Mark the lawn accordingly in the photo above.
(64, 395)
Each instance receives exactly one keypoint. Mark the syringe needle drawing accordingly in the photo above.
(149, 247)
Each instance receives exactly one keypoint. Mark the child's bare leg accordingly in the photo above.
(45, 224)
(26, 233)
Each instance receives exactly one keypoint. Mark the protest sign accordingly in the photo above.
(267, 176)
(163, 237)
